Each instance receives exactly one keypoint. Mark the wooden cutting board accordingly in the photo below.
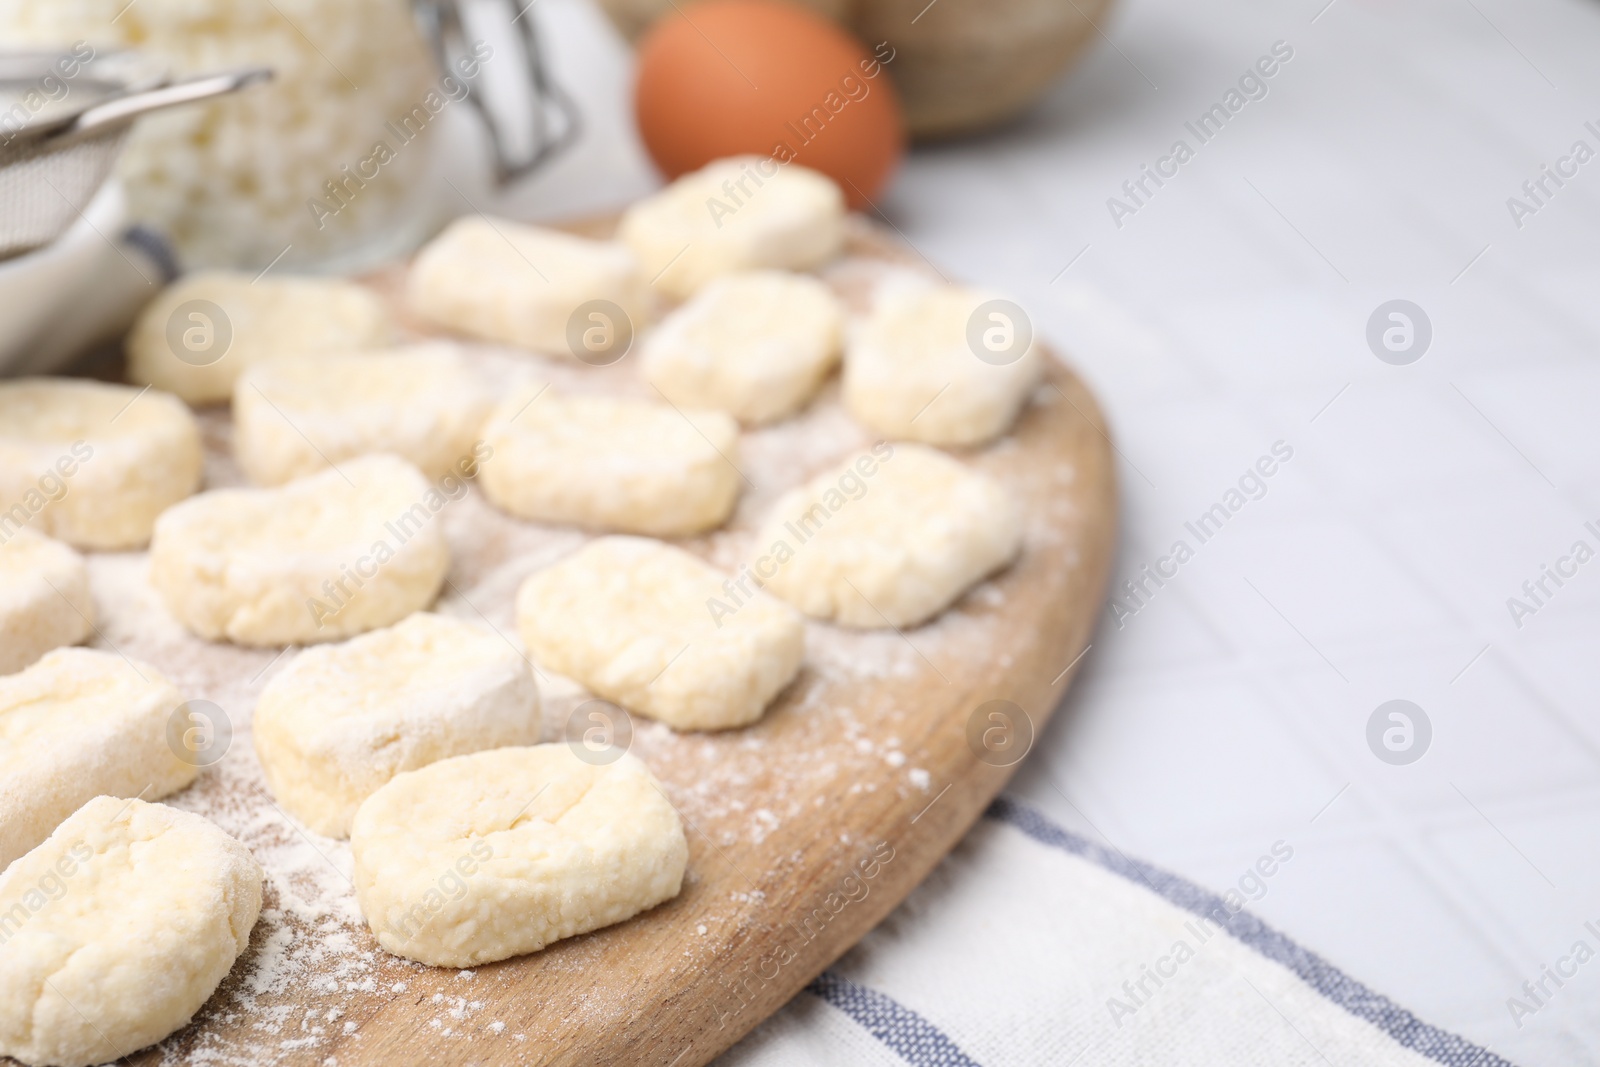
(804, 830)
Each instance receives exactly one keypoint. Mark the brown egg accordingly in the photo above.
(726, 77)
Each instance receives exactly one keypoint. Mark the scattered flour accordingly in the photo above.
(313, 976)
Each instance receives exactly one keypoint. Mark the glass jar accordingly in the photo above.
(331, 166)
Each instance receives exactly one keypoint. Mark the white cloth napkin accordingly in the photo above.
(1032, 945)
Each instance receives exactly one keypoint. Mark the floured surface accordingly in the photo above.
(857, 754)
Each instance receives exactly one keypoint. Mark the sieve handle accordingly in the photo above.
(125, 109)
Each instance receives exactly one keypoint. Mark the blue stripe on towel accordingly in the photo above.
(1407, 1030)
(913, 1038)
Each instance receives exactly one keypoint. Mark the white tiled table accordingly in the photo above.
(1230, 313)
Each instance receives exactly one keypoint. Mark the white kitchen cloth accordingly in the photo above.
(1032, 945)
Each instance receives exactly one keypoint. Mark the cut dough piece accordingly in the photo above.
(661, 633)
(77, 724)
(483, 857)
(912, 371)
(341, 720)
(755, 344)
(521, 285)
(740, 213)
(200, 334)
(116, 930)
(320, 559)
(889, 538)
(93, 464)
(611, 464)
(295, 416)
(44, 599)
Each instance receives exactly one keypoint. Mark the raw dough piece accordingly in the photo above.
(44, 598)
(911, 371)
(889, 538)
(740, 213)
(261, 319)
(92, 464)
(661, 633)
(77, 724)
(483, 857)
(611, 464)
(341, 720)
(755, 344)
(516, 284)
(116, 930)
(295, 416)
(319, 559)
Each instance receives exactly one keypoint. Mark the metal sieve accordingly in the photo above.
(63, 119)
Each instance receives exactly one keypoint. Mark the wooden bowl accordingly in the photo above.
(967, 64)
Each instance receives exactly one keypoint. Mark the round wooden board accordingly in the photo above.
(805, 830)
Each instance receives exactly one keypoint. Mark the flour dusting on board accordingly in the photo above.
(313, 975)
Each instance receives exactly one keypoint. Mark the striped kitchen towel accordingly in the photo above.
(1032, 945)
